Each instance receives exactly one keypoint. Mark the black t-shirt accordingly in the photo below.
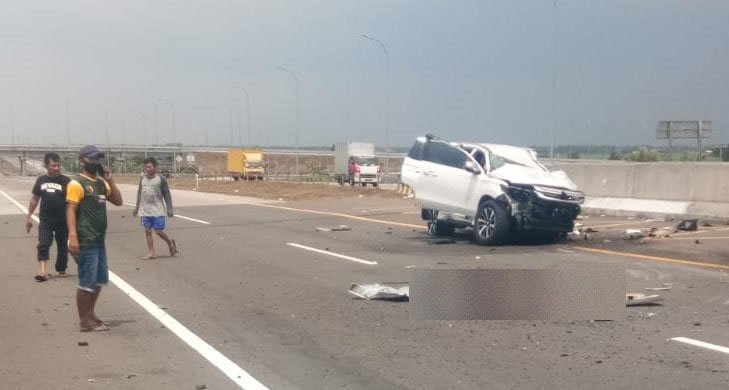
(52, 192)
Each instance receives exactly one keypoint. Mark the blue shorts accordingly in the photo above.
(93, 268)
(156, 223)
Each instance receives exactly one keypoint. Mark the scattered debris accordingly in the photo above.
(409, 266)
(83, 343)
(664, 287)
(688, 224)
(438, 241)
(662, 232)
(706, 224)
(655, 220)
(697, 324)
(91, 380)
(697, 241)
(130, 376)
(637, 299)
(200, 387)
(338, 228)
(380, 291)
(634, 233)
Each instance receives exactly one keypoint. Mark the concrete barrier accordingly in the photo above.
(662, 188)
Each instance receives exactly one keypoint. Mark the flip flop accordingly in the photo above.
(40, 278)
(98, 328)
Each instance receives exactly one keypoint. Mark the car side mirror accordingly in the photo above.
(472, 167)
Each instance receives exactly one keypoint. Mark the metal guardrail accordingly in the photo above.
(159, 149)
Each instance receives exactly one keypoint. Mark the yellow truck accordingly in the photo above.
(246, 164)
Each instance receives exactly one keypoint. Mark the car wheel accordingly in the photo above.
(492, 224)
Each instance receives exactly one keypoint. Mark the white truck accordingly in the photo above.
(355, 163)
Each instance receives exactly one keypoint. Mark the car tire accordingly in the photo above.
(491, 224)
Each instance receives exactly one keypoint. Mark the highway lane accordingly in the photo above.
(284, 314)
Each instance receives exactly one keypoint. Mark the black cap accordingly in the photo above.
(90, 151)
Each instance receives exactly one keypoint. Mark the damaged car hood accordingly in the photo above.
(519, 174)
(519, 165)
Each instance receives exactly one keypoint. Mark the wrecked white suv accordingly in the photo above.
(498, 190)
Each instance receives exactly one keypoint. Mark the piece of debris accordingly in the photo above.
(83, 344)
(589, 230)
(688, 224)
(664, 287)
(697, 241)
(338, 228)
(637, 299)
(697, 324)
(655, 220)
(573, 235)
(634, 233)
(439, 241)
(130, 376)
(380, 291)
(200, 387)
(661, 233)
(91, 380)
(706, 224)
(409, 266)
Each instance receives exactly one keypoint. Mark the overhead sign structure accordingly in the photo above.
(683, 129)
(671, 130)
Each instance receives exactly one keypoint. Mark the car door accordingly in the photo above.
(444, 182)
(412, 165)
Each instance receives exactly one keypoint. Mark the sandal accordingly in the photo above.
(173, 248)
(98, 328)
(40, 278)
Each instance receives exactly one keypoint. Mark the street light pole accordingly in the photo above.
(248, 114)
(68, 125)
(12, 125)
(554, 79)
(296, 86)
(174, 134)
(156, 129)
(387, 96)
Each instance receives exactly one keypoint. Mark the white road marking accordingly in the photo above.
(192, 219)
(701, 344)
(180, 216)
(10, 198)
(243, 379)
(238, 375)
(350, 258)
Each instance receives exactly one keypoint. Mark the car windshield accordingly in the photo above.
(365, 160)
(500, 155)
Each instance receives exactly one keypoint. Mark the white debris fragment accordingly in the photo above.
(636, 299)
(634, 233)
(380, 291)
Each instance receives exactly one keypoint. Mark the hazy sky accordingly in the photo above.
(468, 70)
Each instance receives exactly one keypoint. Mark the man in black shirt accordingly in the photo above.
(50, 191)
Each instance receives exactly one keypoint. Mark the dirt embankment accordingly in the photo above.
(272, 190)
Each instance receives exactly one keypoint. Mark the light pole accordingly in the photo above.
(248, 114)
(554, 80)
(12, 125)
(68, 125)
(174, 134)
(387, 96)
(156, 129)
(172, 110)
(296, 86)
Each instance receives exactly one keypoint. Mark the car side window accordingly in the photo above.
(416, 152)
(441, 153)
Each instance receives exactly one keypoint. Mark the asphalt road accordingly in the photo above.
(254, 305)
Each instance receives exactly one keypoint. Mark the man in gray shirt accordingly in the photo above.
(153, 203)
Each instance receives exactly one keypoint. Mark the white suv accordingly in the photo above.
(496, 189)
